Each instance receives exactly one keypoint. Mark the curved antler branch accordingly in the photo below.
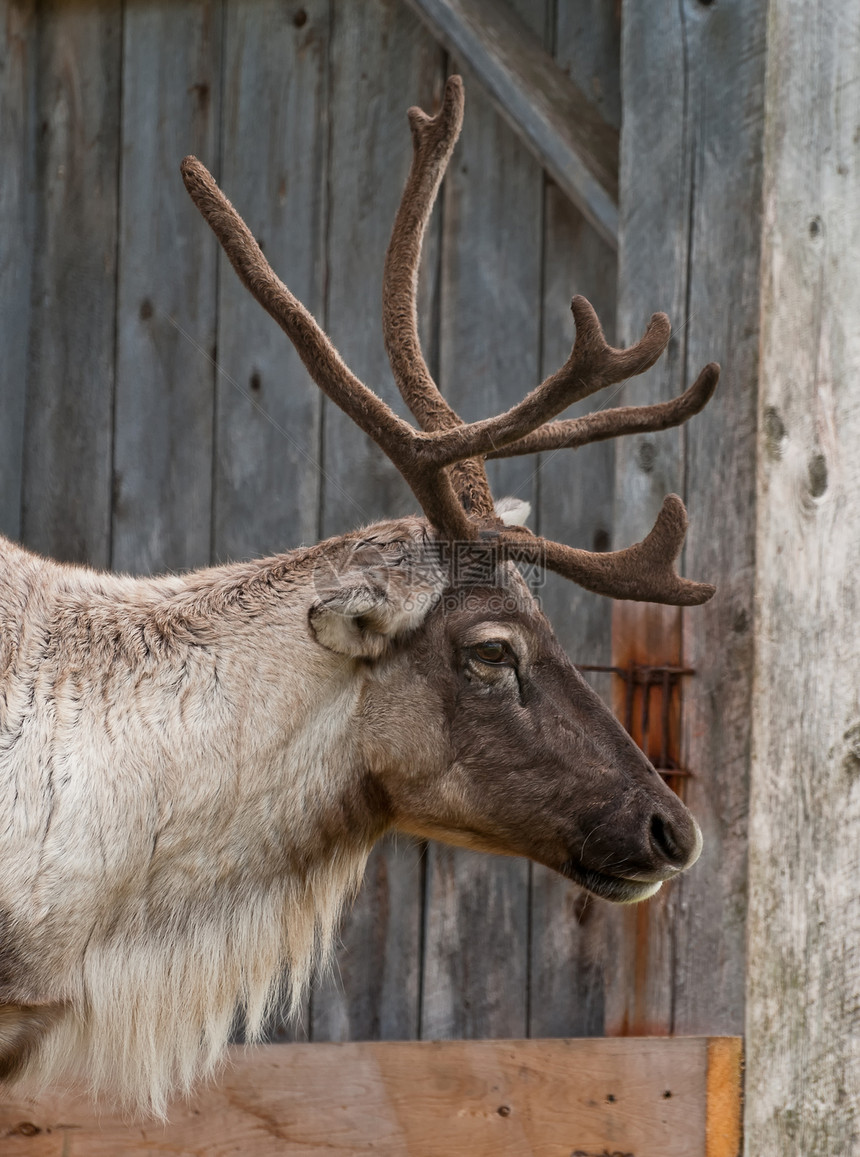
(592, 365)
(572, 433)
(433, 140)
(644, 572)
(321, 359)
(442, 463)
(430, 484)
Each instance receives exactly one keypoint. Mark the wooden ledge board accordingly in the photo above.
(614, 1097)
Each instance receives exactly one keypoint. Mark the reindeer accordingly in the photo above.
(194, 768)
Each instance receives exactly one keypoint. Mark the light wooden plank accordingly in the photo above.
(552, 117)
(67, 448)
(166, 324)
(274, 146)
(586, 1098)
(575, 505)
(476, 943)
(803, 969)
(383, 61)
(17, 143)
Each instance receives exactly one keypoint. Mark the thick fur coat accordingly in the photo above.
(178, 821)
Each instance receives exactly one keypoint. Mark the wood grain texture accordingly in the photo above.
(384, 62)
(274, 153)
(554, 118)
(68, 437)
(476, 939)
(166, 323)
(274, 156)
(655, 191)
(724, 1117)
(690, 223)
(565, 1098)
(803, 1017)
(568, 962)
(17, 144)
(588, 48)
(726, 50)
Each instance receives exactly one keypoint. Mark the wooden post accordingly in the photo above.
(803, 1012)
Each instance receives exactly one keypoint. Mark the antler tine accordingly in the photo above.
(572, 433)
(593, 364)
(433, 141)
(644, 572)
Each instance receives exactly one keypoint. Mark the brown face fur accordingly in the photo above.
(477, 730)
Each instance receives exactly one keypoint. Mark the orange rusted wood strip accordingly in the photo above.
(639, 996)
(723, 1129)
(648, 1097)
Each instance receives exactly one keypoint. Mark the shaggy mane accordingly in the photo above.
(157, 1017)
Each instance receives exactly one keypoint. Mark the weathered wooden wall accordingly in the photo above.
(153, 417)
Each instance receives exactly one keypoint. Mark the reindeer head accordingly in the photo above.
(473, 726)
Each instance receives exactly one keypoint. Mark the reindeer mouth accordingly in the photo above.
(618, 889)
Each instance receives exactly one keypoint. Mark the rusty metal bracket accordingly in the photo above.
(647, 678)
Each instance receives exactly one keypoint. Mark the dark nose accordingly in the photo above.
(676, 841)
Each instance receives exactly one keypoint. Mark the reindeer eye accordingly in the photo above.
(493, 651)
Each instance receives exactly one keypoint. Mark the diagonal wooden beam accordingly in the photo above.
(545, 108)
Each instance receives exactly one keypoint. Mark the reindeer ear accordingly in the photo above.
(359, 613)
(513, 511)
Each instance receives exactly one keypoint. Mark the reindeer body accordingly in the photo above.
(172, 754)
(193, 769)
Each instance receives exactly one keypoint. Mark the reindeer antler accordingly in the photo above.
(443, 462)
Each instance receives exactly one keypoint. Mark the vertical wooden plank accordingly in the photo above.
(476, 954)
(575, 505)
(274, 145)
(680, 224)
(656, 188)
(588, 48)
(274, 142)
(803, 971)
(724, 1111)
(726, 48)
(67, 446)
(17, 142)
(166, 325)
(382, 61)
